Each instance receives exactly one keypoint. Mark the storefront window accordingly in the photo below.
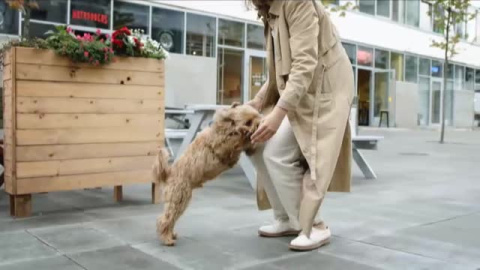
(231, 33)
(201, 35)
(38, 30)
(411, 68)
(131, 15)
(477, 76)
(9, 22)
(367, 6)
(412, 12)
(365, 56)
(459, 77)
(168, 28)
(351, 52)
(396, 63)
(437, 69)
(381, 59)
(450, 71)
(449, 103)
(255, 37)
(91, 13)
(383, 8)
(424, 67)
(51, 10)
(469, 78)
(398, 10)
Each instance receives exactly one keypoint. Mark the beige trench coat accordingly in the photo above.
(316, 86)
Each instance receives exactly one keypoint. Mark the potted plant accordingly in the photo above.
(81, 112)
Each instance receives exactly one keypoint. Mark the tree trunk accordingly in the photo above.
(26, 20)
(445, 75)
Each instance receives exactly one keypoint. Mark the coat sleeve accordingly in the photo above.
(261, 93)
(302, 20)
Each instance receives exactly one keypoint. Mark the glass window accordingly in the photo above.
(412, 13)
(201, 35)
(9, 19)
(91, 13)
(450, 71)
(411, 68)
(255, 37)
(459, 77)
(477, 76)
(230, 63)
(424, 96)
(383, 8)
(381, 59)
(38, 30)
(398, 10)
(437, 69)
(424, 67)
(367, 6)
(231, 33)
(396, 63)
(437, 26)
(365, 56)
(351, 52)
(168, 28)
(131, 15)
(51, 10)
(469, 78)
(449, 98)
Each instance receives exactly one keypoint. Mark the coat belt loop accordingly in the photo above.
(313, 157)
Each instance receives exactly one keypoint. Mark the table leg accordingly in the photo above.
(195, 124)
(363, 165)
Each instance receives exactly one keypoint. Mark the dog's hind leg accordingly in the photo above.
(177, 202)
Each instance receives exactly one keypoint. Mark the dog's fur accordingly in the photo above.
(215, 149)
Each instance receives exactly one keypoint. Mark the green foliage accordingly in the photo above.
(93, 49)
(342, 9)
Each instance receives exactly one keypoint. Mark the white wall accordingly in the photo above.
(406, 105)
(190, 79)
(463, 109)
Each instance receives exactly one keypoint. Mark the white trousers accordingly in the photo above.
(287, 179)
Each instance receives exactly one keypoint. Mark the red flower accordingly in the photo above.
(125, 30)
(85, 53)
(99, 32)
(118, 43)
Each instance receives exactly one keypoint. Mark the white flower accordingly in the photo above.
(131, 40)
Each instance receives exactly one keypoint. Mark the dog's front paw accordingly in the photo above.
(169, 242)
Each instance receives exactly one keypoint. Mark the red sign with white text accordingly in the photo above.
(90, 16)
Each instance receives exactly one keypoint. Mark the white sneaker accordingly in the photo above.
(277, 229)
(317, 239)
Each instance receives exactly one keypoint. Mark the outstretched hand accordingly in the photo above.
(269, 125)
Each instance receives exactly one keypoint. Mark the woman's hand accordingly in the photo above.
(269, 125)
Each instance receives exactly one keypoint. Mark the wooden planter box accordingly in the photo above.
(74, 126)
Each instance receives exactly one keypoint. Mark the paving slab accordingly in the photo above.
(20, 246)
(54, 263)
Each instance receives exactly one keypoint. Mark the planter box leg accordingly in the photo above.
(118, 193)
(156, 193)
(21, 205)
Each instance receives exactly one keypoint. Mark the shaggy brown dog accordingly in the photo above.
(215, 150)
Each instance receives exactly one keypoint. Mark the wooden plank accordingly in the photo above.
(82, 166)
(47, 57)
(85, 151)
(77, 90)
(87, 75)
(21, 205)
(9, 133)
(7, 88)
(71, 182)
(7, 58)
(8, 184)
(52, 121)
(8, 149)
(82, 105)
(118, 193)
(7, 164)
(7, 72)
(80, 136)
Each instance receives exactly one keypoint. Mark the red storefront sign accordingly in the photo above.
(90, 16)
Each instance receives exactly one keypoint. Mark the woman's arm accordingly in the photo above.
(256, 102)
(302, 20)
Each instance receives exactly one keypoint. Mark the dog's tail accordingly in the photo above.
(161, 168)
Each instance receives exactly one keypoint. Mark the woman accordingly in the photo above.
(308, 95)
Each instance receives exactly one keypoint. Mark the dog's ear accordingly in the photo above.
(223, 115)
(235, 104)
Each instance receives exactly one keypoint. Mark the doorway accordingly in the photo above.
(364, 85)
(230, 74)
(256, 66)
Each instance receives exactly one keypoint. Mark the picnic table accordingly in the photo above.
(198, 114)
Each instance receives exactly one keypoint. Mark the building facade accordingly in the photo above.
(217, 52)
